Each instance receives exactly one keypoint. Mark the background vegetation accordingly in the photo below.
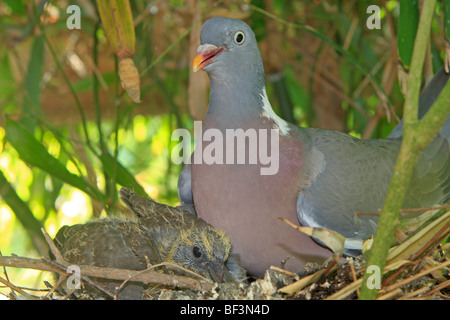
(70, 136)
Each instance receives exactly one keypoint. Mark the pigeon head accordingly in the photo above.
(229, 51)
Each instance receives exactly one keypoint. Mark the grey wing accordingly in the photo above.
(139, 206)
(185, 190)
(185, 186)
(143, 207)
(353, 175)
(430, 183)
(426, 100)
(107, 243)
(103, 243)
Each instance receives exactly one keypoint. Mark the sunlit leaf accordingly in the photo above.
(123, 177)
(23, 213)
(35, 154)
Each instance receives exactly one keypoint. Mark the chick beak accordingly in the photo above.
(216, 271)
(206, 54)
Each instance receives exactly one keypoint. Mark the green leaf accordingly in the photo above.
(446, 4)
(115, 169)
(408, 21)
(7, 84)
(34, 76)
(16, 7)
(35, 154)
(23, 214)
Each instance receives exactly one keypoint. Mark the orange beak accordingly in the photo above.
(205, 56)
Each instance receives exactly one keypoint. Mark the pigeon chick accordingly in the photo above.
(158, 233)
(184, 239)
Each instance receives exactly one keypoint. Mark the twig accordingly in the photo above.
(15, 288)
(62, 277)
(397, 272)
(163, 264)
(4, 268)
(439, 287)
(68, 294)
(63, 268)
(27, 263)
(440, 236)
(352, 269)
(349, 289)
(418, 275)
(414, 293)
(332, 266)
(168, 264)
(284, 271)
(295, 287)
(52, 247)
(112, 273)
(390, 294)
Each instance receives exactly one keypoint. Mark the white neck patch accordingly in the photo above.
(269, 113)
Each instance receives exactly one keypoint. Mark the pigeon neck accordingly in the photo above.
(235, 102)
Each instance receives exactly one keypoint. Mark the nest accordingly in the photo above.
(417, 268)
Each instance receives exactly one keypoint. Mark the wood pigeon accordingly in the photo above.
(323, 176)
(157, 233)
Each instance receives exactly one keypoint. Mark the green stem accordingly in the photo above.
(66, 80)
(434, 119)
(409, 151)
(109, 186)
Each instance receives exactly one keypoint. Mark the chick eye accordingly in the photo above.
(239, 37)
(196, 252)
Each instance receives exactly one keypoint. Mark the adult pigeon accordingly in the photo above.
(157, 233)
(323, 176)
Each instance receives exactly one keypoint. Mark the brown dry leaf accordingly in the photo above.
(332, 239)
(129, 76)
(298, 285)
(419, 239)
(402, 78)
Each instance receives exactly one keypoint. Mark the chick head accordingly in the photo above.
(203, 250)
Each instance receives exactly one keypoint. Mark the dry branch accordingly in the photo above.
(146, 277)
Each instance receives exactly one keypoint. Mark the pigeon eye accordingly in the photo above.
(239, 37)
(196, 252)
